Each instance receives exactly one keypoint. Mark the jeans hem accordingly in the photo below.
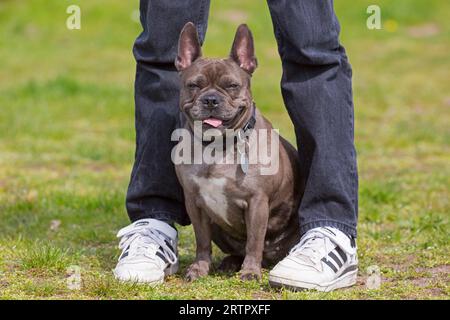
(166, 216)
(345, 228)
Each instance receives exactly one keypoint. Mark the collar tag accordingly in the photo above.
(241, 146)
(244, 163)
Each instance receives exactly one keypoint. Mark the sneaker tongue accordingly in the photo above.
(213, 122)
(314, 247)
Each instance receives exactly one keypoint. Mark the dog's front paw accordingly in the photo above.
(250, 274)
(196, 270)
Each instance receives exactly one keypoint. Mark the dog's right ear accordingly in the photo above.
(243, 50)
(189, 48)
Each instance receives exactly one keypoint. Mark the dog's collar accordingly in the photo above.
(252, 121)
(242, 145)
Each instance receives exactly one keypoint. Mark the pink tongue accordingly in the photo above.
(213, 122)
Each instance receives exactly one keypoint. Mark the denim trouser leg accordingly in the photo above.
(317, 92)
(154, 191)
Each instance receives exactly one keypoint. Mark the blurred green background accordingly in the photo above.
(67, 145)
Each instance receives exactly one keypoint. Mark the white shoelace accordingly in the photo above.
(309, 248)
(147, 242)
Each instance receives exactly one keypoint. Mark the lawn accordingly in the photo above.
(67, 146)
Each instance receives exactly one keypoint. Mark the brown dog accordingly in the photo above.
(250, 216)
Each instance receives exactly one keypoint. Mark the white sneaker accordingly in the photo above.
(325, 259)
(149, 252)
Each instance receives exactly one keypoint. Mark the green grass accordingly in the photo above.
(67, 145)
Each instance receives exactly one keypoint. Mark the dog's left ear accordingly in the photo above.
(243, 50)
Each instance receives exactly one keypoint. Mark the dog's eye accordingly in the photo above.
(233, 86)
(192, 86)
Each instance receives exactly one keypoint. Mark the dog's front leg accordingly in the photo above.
(202, 229)
(256, 219)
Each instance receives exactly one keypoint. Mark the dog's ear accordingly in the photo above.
(189, 48)
(243, 50)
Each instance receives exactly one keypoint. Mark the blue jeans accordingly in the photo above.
(317, 91)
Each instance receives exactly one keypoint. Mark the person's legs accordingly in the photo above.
(317, 91)
(154, 191)
(155, 198)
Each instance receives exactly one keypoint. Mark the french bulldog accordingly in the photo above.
(251, 217)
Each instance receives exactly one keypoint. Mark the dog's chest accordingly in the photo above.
(217, 197)
(213, 195)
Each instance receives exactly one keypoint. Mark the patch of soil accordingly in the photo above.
(429, 283)
(436, 270)
(4, 283)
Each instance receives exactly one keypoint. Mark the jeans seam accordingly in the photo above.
(353, 168)
(200, 20)
(278, 35)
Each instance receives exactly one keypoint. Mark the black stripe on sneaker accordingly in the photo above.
(159, 254)
(341, 253)
(330, 264)
(330, 231)
(125, 254)
(351, 268)
(335, 258)
(353, 242)
(142, 223)
(169, 245)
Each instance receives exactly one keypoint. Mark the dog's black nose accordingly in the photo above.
(211, 101)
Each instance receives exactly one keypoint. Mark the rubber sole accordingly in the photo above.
(346, 280)
(171, 269)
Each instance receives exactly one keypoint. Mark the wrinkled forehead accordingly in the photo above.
(213, 70)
